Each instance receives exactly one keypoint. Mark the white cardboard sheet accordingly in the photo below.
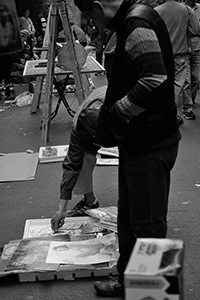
(19, 166)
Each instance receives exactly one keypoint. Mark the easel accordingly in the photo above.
(40, 80)
(58, 6)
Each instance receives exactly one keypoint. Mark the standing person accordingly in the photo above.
(109, 53)
(26, 22)
(194, 54)
(5, 71)
(98, 40)
(180, 29)
(42, 19)
(80, 160)
(138, 115)
(41, 23)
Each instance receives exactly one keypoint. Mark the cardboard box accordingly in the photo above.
(155, 270)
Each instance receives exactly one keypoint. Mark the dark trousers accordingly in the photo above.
(99, 49)
(5, 71)
(144, 182)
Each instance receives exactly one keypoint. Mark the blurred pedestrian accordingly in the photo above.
(98, 40)
(5, 71)
(180, 30)
(109, 52)
(41, 24)
(194, 53)
(26, 22)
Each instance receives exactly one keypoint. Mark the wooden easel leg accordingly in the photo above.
(40, 80)
(68, 34)
(49, 77)
(59, 6)
(37, 95)
(86, 84)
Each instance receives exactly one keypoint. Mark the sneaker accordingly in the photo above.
(80, 207)
(112, 288)
(2, 96)
(180, 120)
(189, 115)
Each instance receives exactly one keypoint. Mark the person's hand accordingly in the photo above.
(59, 218)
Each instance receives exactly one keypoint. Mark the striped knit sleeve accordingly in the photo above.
(142, 49)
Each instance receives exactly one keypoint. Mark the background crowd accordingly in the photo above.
(184, 33)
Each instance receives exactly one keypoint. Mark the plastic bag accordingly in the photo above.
(24, 99)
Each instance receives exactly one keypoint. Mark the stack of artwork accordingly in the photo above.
(105, 156)
(82, 243)
(107, 216)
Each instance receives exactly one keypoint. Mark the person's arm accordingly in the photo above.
(38, 27)
(72, 165)
(59, 217)
(71, 169)
(23, 23)
(193, 23)
(32, 27)
(143, 52)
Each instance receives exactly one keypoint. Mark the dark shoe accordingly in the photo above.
(189, 115)
(180, 120)
(110, 289)
(80, 207)
(2, 97)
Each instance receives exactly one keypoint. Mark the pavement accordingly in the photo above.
(38, 198)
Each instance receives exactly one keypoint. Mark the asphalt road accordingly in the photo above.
(19, 201)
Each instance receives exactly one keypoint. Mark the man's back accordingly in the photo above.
(175, 16)
(195, 40)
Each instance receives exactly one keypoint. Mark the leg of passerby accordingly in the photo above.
(178, 101)
(180, 75)
(195, 73)
(142, 207)
(187, 105)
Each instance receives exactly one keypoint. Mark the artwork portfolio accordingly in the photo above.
(82, 243)
(46, 254)
(30, 255)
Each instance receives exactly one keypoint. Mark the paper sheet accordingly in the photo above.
(94, 251)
